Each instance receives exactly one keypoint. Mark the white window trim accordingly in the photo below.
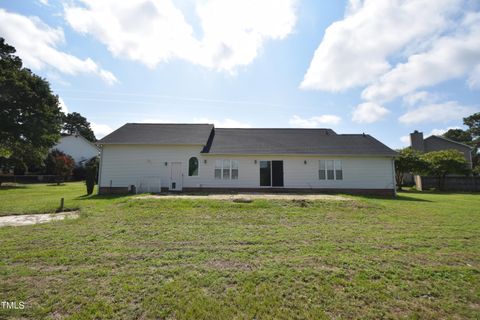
(222, 168)
(334, 170)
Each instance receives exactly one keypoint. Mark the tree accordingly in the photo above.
(30, 116)
(444, 162)
(458, 135)
(407, 161)
(64, 165)
(74, 122)
(473, 124)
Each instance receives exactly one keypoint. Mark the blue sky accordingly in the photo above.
(381, 67)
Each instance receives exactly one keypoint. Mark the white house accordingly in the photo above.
(79, 148)
(192, 157)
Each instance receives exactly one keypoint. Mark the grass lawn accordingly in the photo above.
(125, 258)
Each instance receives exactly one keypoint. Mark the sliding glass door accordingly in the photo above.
(271, 173)
(265, 173)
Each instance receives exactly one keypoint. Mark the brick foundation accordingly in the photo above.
(374, 192)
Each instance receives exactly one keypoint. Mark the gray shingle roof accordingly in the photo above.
(159, 133)
(249, 141)
(295, 141)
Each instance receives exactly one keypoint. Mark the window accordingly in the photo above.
(193, 167)
(234, 169)
(218, 169)
(321, 172)
(330, 170)
(226, 169)
(338, 170)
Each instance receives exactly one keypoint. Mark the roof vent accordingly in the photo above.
(364, 134)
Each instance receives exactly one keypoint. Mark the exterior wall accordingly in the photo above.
(77, 147)
(124, 165)
(437, 144)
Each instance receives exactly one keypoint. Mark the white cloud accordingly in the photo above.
(355, 50)
(369, 112)
(474, 79)
(416, 98)
(100, 130)
(62, 105)
(153, 32)
(451, 56)
(437, 112)
(314, 122)
(439, 132)
(225, 123)
(36, 43)
(405, 140)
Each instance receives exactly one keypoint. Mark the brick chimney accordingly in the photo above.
(416, 141)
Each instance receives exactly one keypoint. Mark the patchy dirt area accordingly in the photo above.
(248, 196)
(27, 219)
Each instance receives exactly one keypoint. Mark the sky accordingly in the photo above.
(380, 67)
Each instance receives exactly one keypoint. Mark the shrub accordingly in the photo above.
(79, 173)
(64, 165)
(91, 172)
(442, 163)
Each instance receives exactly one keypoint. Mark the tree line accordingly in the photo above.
(445, 162)
(31, 120)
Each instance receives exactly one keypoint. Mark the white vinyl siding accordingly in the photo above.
(122, 165)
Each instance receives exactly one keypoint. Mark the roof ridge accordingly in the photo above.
(172, 123)
(449, 140)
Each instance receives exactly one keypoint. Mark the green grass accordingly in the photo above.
(416, 257)
(40, 198)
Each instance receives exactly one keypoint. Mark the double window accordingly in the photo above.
(226, 169)
(330, 170)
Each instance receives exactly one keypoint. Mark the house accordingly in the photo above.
(79, 148)
(192, 157)
(437, 143)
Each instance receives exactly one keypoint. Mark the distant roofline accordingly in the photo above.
(172, 123)
(449, 140)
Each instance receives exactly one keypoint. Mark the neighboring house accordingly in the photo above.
(79, 148)
(192, 157)
(437, 143)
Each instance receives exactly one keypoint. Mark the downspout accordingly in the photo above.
(100, 169)
(394, 179)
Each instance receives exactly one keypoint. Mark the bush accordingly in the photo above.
(94, 162)
(19, 168)
(79, 173)
(91, 172)
(63, 167)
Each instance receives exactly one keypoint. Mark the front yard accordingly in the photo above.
(129, 258)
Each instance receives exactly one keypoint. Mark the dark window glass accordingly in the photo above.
(193, 166)
(265, 174)
(321, 172)
(330, 172)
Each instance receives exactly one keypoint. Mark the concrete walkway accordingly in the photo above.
(27, 219)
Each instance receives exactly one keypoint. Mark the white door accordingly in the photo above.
(176, 178)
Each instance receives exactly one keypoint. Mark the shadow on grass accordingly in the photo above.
(397, 198)
(438, 192)
(102, 196)
(12, 187)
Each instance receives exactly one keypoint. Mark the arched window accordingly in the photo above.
(193, 166)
